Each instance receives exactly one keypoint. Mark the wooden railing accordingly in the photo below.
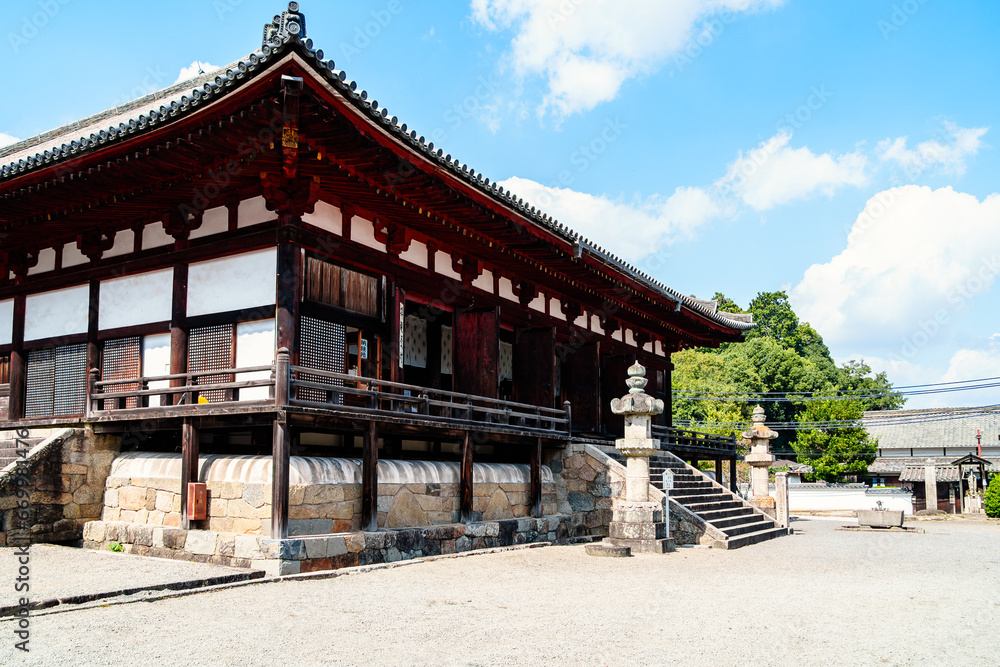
(681, 440)
(105, 396)
(381, 397)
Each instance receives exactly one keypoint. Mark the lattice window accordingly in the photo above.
(212, 348)
(121, 361)
(321, 346)
(415, 342)
(56, 381)
(506, 361)
(446, 350)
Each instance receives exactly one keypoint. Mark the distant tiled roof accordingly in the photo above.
(936, 428)
(918, 474)
(891, 465)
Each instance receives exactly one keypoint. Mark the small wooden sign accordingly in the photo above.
(197, 505)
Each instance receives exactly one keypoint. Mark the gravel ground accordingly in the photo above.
(59, 572)
(821, 595)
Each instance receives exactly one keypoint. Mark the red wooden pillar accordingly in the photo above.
(288, 296)
(189, 466)
(179, 329)
(465, 485)
(18, 364)
(281, 448)
(93, 347)
(369, 479)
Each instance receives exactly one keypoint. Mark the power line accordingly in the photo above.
(881, 421)
(837, 394)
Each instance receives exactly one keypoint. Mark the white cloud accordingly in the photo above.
(773, 173)
(950, 155)
(7, 140)
(633, 230)
(194, 69)
(915, 258)
(586, 49)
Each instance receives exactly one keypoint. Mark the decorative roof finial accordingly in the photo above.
(636, 378)
(290, 23)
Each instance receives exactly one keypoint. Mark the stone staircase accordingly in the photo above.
(8, 449)
(740, 522)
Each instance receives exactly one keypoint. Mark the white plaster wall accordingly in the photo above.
(213, 221)
(507, 289)
(555, 309)
(6, 321)
(896, 452)
(138, 299)
(538, 303)
(326, 217)
(253, 212)
(617, 335)
(595, 324)
(46, 261)
(808, 497)
(484, 282)
(58, 313)
(442, 265)
(156, 361)
(363, 232)
(659, 349)
(630, 338)
(231, 283)
(72, 255)
(581, 321)
(254, 347)
(153, 236)
(415, 254)
(124, 244)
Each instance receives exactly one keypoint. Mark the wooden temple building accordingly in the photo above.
(264, 260)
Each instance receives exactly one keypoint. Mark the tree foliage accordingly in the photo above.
(991, 498)
(782, 354)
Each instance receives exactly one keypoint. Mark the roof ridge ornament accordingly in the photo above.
(290, 23)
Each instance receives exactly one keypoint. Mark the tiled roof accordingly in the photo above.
(935, 428)
(918, 474)
(283, 36)
(891, 465)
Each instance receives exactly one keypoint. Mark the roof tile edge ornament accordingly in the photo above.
(289, 27)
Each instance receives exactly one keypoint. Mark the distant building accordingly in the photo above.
(911, 440)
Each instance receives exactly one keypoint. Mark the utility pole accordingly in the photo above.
(979, 444)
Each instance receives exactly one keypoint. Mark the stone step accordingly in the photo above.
(751, 538)
(693, 484)
(722, 522)
(729, 512)
(698, 496)
(747, 528)
(699, 508)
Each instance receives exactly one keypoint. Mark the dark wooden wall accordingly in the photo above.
(477, 351)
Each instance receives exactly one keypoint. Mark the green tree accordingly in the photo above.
(835, 453)
(726, 304)
(991, 498)
(774, 318)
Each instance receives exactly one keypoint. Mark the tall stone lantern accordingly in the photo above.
(760, 459)
(638, 522)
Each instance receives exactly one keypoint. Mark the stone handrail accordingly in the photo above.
(35, 455)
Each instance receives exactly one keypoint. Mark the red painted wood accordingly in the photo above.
(369, 479)
(536, 479)
(581, 385)
(535, 367)
(178, 327)
(476, 363)
(281, 448)
(18, 364)
(189, 466)
(289, 290)
(465, 485)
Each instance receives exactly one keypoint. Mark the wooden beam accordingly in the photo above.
(18, 364)
(189, 466)
(732, 475)
(536, 479)
(178, 327)
(93, 348)
(465, 490)
(718, 470)
(281, 448)
(396, 326)
(369, 479)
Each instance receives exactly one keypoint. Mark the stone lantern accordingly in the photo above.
(760, 459)
(638, 522)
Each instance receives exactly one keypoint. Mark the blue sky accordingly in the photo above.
(842, 150)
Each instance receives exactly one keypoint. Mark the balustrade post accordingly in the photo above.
(569, 418)
(281, 377)
(91, 404)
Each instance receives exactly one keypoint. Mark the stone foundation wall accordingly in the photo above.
(244, 507)
(585, 487)
(328, 552)
(64, 489)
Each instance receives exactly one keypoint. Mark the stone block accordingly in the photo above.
(336, 546)
(270, 567)
(111, 514)
(221, 524)
(321, 494)
(247, 526)
(245, 546)
(269, 548)
(345, 560)
(218, 507)
(316, 565)
(464, 543)
(174, 538)
(143, 536)
(164, 501)
(202, 542)
(111, 498)
(476, 530)
(173, 519)
(141, 516)
(158, 537)
(292, 549)
(392, 555)
(226, 490)
(93, 531)
(74, 469)
(355, 542)
(253, 495)
(580, 502)
(71, 511)
(132, 498)
(150, 499)
(371, 557)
